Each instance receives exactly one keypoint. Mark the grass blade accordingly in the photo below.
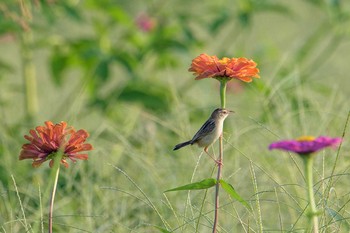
(162, 229)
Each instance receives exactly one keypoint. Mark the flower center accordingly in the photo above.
(305, 139)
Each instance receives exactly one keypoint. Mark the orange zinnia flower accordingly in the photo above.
(205, 66)
(47, 140)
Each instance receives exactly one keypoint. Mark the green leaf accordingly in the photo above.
(72, 11)
(162, 230)
(119, 15)
(102, 70)
(204, 184)
(232, 192)
(58, 64)
(153, 96)
(5, 67)
(218, 22)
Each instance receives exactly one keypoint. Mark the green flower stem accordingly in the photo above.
(56, 167)
(223, 83)
(308, 161)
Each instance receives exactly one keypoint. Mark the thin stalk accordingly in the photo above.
(41, 211)
(257, 199)
(308, 160)
(53, 198)
(56, 167)
(217, 186)
(21, 204)
(223, 83)
(202, 205)
(188, 202)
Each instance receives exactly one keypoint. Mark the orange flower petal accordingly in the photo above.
(205, 66)
(46, 141)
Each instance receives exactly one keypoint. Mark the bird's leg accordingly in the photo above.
(217, 161)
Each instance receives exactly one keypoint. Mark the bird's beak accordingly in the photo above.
(231, 111)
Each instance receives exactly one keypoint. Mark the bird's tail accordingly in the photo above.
(178, 146)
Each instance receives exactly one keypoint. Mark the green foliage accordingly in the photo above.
(232, 192)
(128, 86)
(204, 184)
(208, 183)
(153, 96)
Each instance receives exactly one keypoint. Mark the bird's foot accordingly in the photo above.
(219, 162)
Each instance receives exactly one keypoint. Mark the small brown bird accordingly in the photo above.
(209, 132)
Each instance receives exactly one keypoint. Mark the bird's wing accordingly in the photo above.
(206, 128)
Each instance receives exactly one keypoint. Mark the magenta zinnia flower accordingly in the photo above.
(306, 145)
(46, 141)
(145, 22)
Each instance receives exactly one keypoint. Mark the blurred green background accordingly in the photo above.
(119, 70)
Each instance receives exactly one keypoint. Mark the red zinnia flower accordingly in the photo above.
(47, 140)
(205, 66)
(306, 145)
